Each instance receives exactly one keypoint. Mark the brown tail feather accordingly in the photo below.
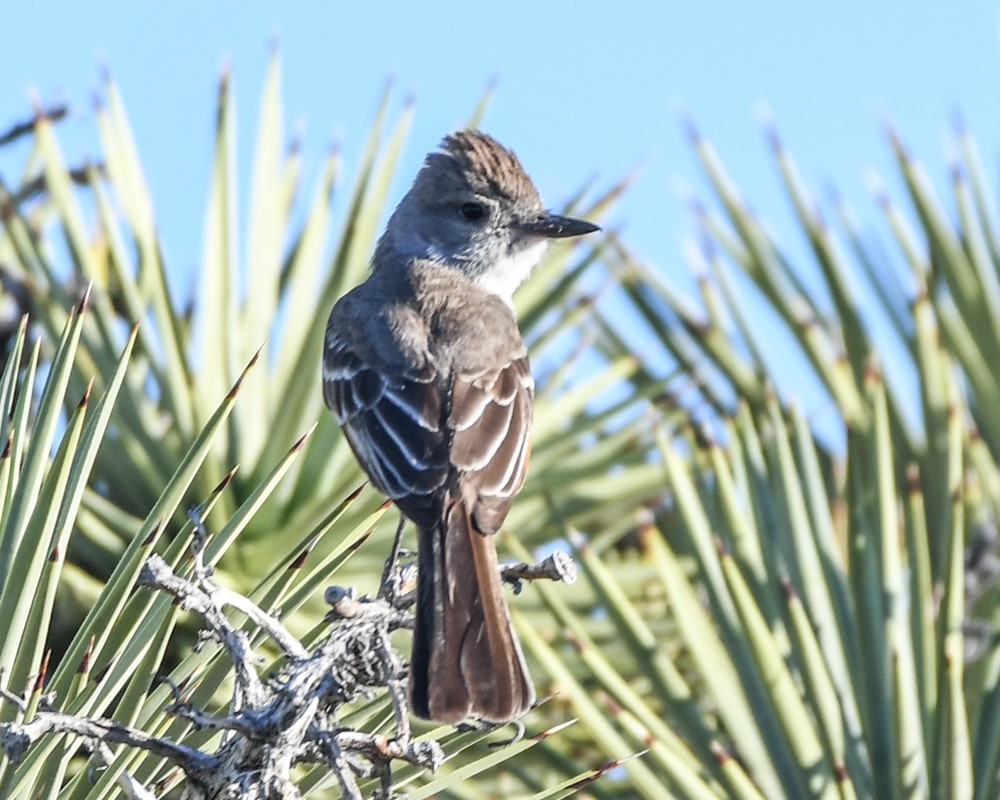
(466, 658)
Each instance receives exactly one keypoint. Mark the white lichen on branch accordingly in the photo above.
(284, 719)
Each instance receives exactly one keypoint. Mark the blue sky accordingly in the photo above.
(583, 89)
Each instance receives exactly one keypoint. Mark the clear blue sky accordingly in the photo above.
(583, 89)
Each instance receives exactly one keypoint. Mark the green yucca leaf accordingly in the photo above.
(818, 573)
(873, 675)
(709, 334)
(922, 615)
(720, 303)
(759, 256)
(27, 605)
(35, 453)
(987, 729)
(820, 687)
(59, 499)
(952, 746)
(835, 609)
(29, 530)
(122, 159)
(238, 521)
(207, 668)
(8, 381)
(742, 788)
(875, 265)
(595, 499)
(828, 255)
(716, 665)
(742, 533)
(478, 114)
(819, 652)
(278, 580)
(591, 716)
(698, 530)
(653, 663)
(540, 331)
(267, 218)
(91, 440)
(681, 704)
(568, 788)
(346, 267)
(933, 366)
(31, 708)
(219, 290)
(130, 706)
(375, 172)
(6, 484)
(677, 340)
(985, 203)
(726, 304)
(295, 343)
(559, 763)
(955, 268)
(141, 425)
(8, 386)
(815, 774)
(910, 754)
(453, 742)
(471, 769)
(987, 280)
(312, 580)
(550, 418)
(19, 440)
(687, 781)
(127, 570)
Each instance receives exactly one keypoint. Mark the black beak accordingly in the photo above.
(554, 226)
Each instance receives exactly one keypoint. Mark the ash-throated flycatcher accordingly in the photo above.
(427, 373)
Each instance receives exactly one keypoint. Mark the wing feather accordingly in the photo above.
(411, 430)
(490, 450)
(393, 424)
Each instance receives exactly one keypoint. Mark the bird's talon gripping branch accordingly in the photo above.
(519, 731)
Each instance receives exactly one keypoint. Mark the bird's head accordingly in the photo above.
(473, 208)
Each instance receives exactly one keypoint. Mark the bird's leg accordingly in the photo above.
(389, 585)
(474, 724)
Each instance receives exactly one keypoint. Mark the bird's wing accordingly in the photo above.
(409, 434)
(393, 422)
(489, 422)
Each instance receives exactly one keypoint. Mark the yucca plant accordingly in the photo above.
(828, 599)
(219, 408)
(763, 612)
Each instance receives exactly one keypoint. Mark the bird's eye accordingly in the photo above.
(473, 212)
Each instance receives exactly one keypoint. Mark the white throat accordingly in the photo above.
(511, 270)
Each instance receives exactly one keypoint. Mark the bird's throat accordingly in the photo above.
(511, 270)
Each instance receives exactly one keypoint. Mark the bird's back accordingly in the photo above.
(429, 314)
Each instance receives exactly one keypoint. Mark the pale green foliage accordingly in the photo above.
(284, 499)
(821, 596)
(781, 619)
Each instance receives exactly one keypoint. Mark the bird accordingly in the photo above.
(427, 373)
